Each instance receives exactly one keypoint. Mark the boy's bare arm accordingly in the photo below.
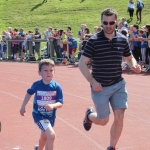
(53, 106)
(26, 99)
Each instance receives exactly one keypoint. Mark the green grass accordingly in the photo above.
(61, 13)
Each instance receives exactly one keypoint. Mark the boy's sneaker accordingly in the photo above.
(86, 122)
(36, 147)
(110, 148)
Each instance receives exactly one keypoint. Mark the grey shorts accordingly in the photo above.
(115, 95)
(37, 46)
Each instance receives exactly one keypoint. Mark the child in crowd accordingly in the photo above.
(3, 48)
(48, 97)
(64, 43)
(72, 46)
(64, 47)
(144, 44)
(137, 47)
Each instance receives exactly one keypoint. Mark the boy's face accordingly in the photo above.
(46, 73)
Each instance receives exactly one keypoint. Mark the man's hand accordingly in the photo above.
(137, 69)
(96, 86)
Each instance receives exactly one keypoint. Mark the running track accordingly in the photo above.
(20, 131)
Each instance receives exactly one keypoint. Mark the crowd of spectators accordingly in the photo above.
(138, 37)
(20, 46)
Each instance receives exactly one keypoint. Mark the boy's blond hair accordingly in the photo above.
(46, 62)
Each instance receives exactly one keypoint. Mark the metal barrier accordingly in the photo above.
(50, 50)
(50, 46)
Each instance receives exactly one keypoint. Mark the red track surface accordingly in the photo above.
(21, 131)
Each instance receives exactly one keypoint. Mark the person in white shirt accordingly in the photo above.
(131, 8)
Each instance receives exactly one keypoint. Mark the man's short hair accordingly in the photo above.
(109, 12)
(46, 62)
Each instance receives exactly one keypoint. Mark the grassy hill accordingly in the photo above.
(61, 13)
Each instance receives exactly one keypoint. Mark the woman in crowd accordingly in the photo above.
(131, 8)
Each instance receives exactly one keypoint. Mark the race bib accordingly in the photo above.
(43, 98)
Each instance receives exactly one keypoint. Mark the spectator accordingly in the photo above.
(144, 44)
(48, 34)
(10, 30)
(57, 43)
(139, 9)
(124, 32)
(7, 35)
(15, 46)
(137, 47)
(64, 44)
(3, 47)
(72, 47)
(147, 28)
(131, 38)
(131, 8)
(68, 30)
(124, 27)
(21, 36)
(99, 29)
(37, 35)
(79, 35)
(95, 29)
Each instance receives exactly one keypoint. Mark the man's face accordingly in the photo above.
(109, 24)
(36, 30)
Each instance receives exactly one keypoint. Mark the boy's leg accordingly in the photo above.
(42, 141)
(50, 134)
(47, 135)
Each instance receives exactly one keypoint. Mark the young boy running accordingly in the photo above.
(48, 97)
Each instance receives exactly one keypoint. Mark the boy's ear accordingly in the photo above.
(39, 72)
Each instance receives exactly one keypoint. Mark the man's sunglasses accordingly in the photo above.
(110, 23)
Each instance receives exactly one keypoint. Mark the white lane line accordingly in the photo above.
(79, 131)
(135, 147)
(70, 93)
(144, 97)
(137, 117)
(57, 74)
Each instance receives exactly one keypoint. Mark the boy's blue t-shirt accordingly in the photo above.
(144, 44)
(45, 94)
(136, 43)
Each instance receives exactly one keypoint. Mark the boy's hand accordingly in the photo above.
(49, 107)
(22, 111)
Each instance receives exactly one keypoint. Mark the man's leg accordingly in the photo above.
(117, 127)
(93, 117)
(140, 15)
(101, 102)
